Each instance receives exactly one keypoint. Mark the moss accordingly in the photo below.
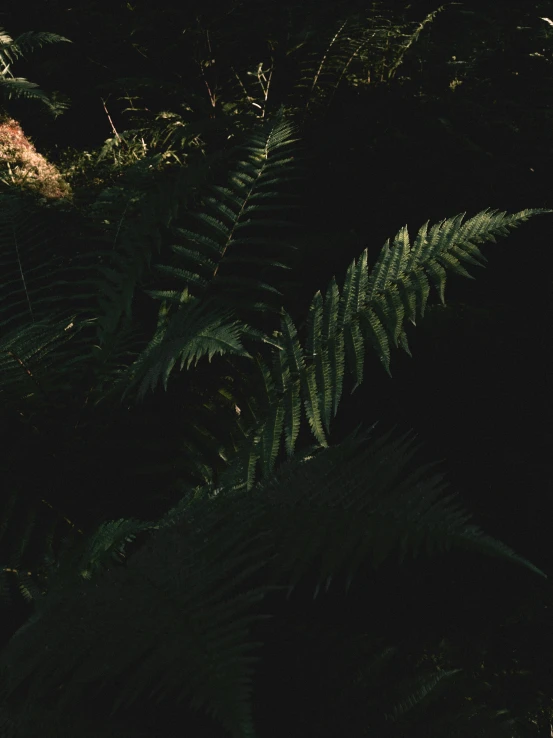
(23, 167)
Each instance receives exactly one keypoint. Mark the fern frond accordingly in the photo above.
(214, 262)
(408, 40)
(175, 620)
(46, 316)
(36, 359)
(28, 41)
(10, 51)
(192, 644)
(235, 240)
(348, 522)
(20, 87)
(421, 689)
(132, 219)
(361, 50)
(371, 310)
(194, 331)
(323, 70)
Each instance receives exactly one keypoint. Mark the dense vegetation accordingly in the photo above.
(222, 394)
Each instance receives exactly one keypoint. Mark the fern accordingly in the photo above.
(204, 656)
(371, 310)
(197, 330)
(363, 49)
(235, 238)
(174, 621)
(45, 305)
(336, 509)
(44, 539)
(10, 51)
(236, 230)
(409, 39)
(133, 214)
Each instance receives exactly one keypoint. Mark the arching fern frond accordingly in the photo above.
(236, 241)
(178, 613)
(371, 310)
(323, 69)
(348, 521)
(363, 49)
(215, 266)
(399, 283)
(196, 330)
(10, 51)
(174, 621)
(25, 43)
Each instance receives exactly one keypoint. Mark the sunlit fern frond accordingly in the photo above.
(307, 375)
(13, 49)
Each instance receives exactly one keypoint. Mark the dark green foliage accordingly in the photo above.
(43, 305)
(236, 236)
(297, 516)
(371, 310)
(13, 49)
(153, 355)
(179, 611)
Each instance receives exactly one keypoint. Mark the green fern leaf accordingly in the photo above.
(372, 310)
